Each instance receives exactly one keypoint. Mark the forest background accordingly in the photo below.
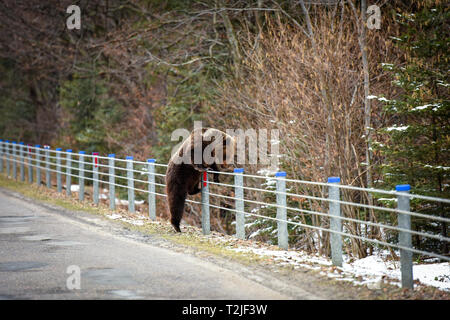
(370, 105)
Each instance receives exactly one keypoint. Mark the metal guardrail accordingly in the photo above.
(15, 156)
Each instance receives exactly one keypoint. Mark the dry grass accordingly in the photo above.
(313, 94)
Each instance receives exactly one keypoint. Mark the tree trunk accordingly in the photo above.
(233, 42)
(326, 100)
(367, 107)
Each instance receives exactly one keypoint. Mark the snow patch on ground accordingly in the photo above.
(370, 271)
(436, 274)
(296, 258)
(135, 221)
(114, 216)
(125, 202)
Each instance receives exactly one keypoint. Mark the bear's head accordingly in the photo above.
(220, 148)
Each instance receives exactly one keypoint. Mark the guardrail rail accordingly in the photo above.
(139, 176)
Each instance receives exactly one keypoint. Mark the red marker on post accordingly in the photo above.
(95, 154)
(205, 178)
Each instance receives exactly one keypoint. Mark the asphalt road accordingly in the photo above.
(39, 246)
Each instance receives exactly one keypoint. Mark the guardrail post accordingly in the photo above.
(38, 164)
(404, 238)
(30, 165)
(95, 194)
(58, 170)
(81, 175)
(1, 155)
(112, 189)
(22, 161)
(8, 165)
(14, 157)
(130, 178)
(47, 167)
(281, 211)
(239, 202)
(151, 189)
(335, 221)
(206, 227)
(69, 172)
(7, 157)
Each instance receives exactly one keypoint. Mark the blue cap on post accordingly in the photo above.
(129, 157)
(82, 152)
(38, 146)
(14, 142)
(21, 143)
(280, 174)
(58, 149)
(334, 179)
(239, 170)
(69, 150)
(111, 155)
(402, 187)
(151, 160)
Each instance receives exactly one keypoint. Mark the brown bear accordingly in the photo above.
(205, 148)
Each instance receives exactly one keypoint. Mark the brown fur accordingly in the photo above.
(184, 179)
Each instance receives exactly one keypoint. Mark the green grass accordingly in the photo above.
(49, 196)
